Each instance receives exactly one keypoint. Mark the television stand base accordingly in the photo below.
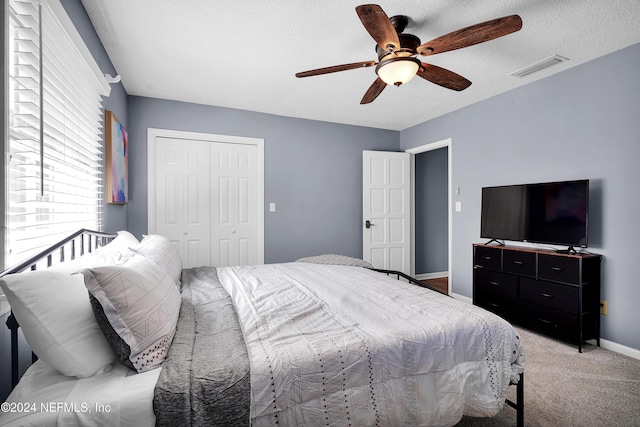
(495, 240)
(569, 251)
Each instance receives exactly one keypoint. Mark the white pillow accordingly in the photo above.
(336, 260)
(87, 260)
(124, 240)
(117, 250)
(160, 250)
(141, 303)
(54, 313)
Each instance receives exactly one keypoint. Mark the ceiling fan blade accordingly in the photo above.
(335, 68)
(474, 34)
(374, 90)
(378, 24)
(443, 77)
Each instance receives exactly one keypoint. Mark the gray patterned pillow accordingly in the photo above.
(120, 348)
(141, 303)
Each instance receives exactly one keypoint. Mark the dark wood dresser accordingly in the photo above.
(552, 293)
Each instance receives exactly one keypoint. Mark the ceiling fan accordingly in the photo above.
(397, 62)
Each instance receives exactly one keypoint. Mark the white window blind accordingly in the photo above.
(55, 130)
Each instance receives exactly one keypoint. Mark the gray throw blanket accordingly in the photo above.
(205, 380)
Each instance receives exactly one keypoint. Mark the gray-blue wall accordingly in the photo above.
(431, 213)
(313, 172)
(581, 123)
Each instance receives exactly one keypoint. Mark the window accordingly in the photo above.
(55, 148)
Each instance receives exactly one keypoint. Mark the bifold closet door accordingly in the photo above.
(183, 198)
(234, 190)
(207, 196)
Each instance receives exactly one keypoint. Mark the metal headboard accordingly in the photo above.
(68, 249)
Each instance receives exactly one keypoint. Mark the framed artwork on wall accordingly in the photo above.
(116, 159)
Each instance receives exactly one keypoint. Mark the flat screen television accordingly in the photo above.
(554, 213)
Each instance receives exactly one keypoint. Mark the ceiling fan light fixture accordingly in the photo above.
(399, 70)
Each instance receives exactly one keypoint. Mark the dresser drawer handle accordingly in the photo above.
(548, 322)
(547, 295)
(493, 304)
(518, 262)
(557, 268)
(494, 283)
(487, 257)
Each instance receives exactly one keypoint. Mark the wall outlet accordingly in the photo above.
(604, 308)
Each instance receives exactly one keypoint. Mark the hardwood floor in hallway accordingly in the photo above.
(440, 283)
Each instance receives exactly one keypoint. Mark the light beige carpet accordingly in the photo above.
(563, 387)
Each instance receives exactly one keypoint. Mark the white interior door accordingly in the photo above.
(234, 190)
(182, 198)
(386, 209)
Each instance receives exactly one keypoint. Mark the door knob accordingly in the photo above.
(368, 224)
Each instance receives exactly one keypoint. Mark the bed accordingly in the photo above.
(125, 336)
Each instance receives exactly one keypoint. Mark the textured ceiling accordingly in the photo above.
(244, 55)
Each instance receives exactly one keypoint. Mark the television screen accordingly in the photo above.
(503, 212)
(553, 213)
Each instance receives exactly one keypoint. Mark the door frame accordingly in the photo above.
(448, 143)
(154, 133)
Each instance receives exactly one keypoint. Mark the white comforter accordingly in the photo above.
(337, 345)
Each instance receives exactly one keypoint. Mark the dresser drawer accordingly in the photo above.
(553, 323)
(519, 262)
(503, 307)
(559, 268)
(487, 257)
(551, 295)
(492, 283)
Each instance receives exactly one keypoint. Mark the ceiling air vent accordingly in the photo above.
(540, 65)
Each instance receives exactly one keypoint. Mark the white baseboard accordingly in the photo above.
(461, 297)
(618, 348)
(606, 344)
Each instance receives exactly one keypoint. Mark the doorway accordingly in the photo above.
(432, 213)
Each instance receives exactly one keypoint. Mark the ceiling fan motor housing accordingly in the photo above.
(408, 43)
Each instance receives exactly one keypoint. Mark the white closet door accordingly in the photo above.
(234, 210)
(206, 194)
(183, 197)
